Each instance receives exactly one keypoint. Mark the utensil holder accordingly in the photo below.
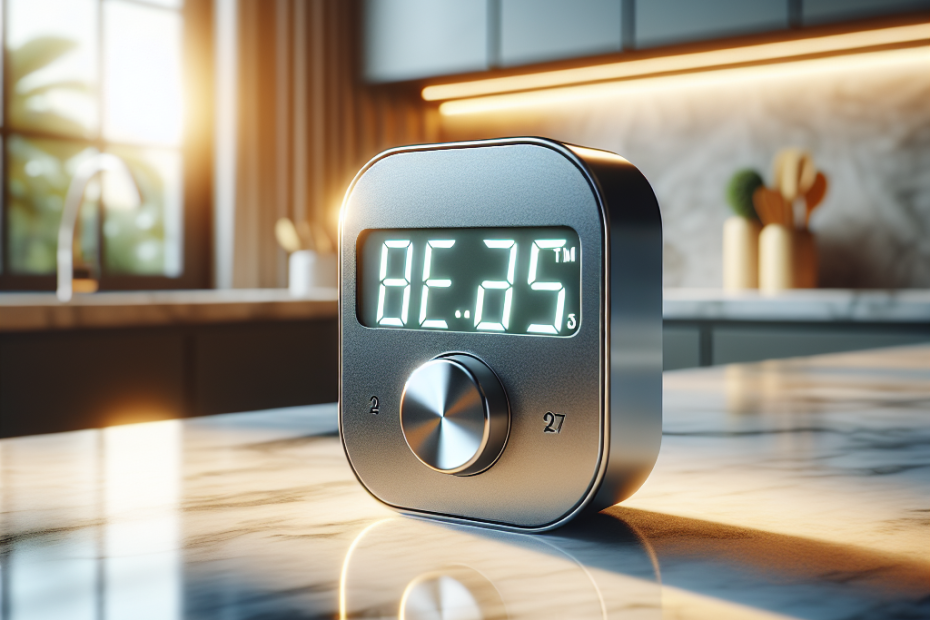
(805, 259)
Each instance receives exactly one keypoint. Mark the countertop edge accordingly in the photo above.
(25, 312)
(823, 305)
(110, 311)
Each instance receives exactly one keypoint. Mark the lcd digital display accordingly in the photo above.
(504, 280)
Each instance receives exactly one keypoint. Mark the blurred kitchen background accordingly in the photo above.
(242, 122)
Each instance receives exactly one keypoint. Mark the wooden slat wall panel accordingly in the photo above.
(302, 59)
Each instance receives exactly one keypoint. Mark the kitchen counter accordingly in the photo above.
(36, 311)
(828, 305)
(39, 311)
(784, 489)
(43, 311)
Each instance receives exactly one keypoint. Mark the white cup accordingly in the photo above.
(308, 270)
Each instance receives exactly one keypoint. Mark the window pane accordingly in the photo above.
(39, 174)
(145, 239)
(52, 46)
(142, 74)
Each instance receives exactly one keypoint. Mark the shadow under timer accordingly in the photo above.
(501, 331)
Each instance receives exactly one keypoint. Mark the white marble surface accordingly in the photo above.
(790, 489)
(39, 311)
(865, 120)
(828, 305)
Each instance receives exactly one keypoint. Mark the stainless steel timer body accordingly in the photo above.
(519, 431)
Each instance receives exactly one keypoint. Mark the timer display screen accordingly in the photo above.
(496, 280)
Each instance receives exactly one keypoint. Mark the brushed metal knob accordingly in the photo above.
(454, 415)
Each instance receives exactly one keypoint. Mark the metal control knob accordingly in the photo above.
(454, 415)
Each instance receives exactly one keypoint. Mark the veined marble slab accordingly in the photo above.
(901, 306)
(864, 119)
(787, 489)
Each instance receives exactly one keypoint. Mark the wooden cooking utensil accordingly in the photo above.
(807, 174)
(814, 196)
(287, 236)
(794, 172)
(785, 161)
(772, 207)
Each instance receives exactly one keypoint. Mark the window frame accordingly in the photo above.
(195, 150)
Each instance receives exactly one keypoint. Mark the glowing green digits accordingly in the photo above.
(395, 282)
(429, 283)
(507, 286)
(506, 281)
(547, 244)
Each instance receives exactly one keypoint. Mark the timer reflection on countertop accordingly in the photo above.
(796, 488)
(416, 570)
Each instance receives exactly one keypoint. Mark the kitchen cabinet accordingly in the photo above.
(710, 327)
(751, 343)
(665, 22)
(815, 12)
(412, 39)
(62, 380)
(541, 30)
(681, 346)
(688, 344)
(416, 39)
(245, 367)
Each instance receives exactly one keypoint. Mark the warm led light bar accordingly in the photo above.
(695, 61)
(918, 58)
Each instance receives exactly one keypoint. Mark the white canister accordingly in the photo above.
(308, 270)
(776, 265)
(740, 253)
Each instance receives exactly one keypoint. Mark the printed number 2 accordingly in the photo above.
(553, 422)
(375, 405)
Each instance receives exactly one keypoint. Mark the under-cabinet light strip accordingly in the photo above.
(738, 56)
(917, 58)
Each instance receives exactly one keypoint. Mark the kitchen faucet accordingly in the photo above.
(86, 170)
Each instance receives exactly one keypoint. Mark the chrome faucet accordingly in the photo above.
(86, 170)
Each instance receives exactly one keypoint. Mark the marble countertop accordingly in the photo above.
(43, 311)
(866, 306)
(784, 489)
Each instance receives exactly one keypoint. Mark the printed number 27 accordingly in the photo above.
(553, 422)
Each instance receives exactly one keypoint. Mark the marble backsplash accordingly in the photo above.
(865, 119)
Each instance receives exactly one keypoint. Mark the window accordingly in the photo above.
(84, 77)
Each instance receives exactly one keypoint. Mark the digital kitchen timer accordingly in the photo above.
(500, 316)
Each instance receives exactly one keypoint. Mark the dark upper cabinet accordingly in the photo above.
(410, 39)
(541, 30)
(413, 39)
(827, 11)
(665, 22)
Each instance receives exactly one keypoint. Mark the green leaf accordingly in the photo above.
(740, 190)
(74, 85)
(36, 54)
(47, 121)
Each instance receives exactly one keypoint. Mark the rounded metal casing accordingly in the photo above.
(605, 380)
